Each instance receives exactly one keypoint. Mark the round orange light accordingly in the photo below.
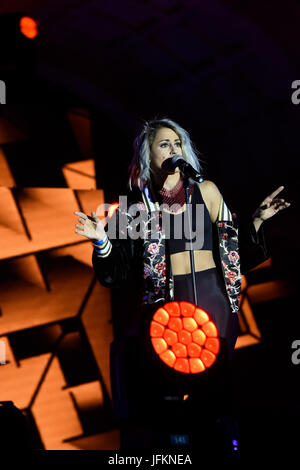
(28, 27)
(184, 337)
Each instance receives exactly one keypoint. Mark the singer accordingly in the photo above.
(160, 269)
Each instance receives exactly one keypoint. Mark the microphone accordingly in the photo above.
(186, 169)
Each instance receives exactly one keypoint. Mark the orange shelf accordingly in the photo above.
(80, 175)
(49, 216)
(6, 176)
(25, 305)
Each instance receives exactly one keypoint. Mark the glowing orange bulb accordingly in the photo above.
(28, 27)
(184, 337)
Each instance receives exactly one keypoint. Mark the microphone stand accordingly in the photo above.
(186, 188)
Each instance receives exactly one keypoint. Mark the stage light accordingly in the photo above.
(28, 27)
(19, 33)
(235, 444)
(184, 337)
(113, 207)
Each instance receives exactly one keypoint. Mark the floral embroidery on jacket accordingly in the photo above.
(233, 256)
(155, 263)
(153, 248)
(147, 270)
(230, 261)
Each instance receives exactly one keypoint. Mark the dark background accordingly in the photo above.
(224, 71)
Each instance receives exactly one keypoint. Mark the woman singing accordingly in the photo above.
(159, 264)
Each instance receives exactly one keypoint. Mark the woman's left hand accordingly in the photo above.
(270, 206)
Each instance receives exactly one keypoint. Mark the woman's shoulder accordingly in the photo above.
(210, 189)
(212, 197)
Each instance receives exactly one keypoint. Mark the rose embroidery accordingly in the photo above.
(153, 248)
(147, 270)
(231, 276)
(233, 257)
(160, 268)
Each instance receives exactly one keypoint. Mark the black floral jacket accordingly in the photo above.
(237, 249)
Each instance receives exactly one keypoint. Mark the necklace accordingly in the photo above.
(175, 195)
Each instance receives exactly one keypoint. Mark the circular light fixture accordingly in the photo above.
(184, 337)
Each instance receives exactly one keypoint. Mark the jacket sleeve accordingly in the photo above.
(115, 268)
(252, 245)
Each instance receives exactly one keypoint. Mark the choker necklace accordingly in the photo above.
(175, 195)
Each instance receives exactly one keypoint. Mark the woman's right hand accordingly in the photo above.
(90, 227)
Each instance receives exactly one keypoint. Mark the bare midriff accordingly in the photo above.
(180, 262)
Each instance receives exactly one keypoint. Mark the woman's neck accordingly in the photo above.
(167, 182)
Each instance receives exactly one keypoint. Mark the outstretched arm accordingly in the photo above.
(111, 258)
(90, 227)
(269, 207)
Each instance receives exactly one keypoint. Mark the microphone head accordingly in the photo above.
(173, 162)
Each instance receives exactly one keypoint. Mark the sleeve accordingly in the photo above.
(113, 269)
(114, 266)
(252, 245)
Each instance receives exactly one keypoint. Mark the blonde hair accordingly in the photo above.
(139, 169)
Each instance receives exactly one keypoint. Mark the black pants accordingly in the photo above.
(212, 298)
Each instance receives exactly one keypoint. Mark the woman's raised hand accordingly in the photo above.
(271, 205)
(90, 227)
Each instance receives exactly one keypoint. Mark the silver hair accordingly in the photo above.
(139, 169)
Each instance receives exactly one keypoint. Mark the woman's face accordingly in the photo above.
(165, 145)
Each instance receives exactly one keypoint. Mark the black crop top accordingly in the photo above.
(203, 235)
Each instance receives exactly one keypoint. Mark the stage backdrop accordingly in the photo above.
(56, 319)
